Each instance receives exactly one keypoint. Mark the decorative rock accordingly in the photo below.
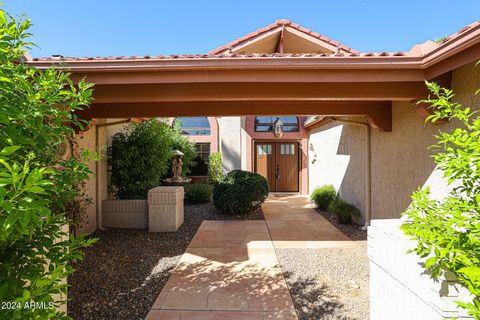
(165, 208)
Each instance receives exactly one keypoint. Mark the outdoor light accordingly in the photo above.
(278, 128)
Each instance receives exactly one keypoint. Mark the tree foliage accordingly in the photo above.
(215, 167)
(37, 117)
(447, 231)
(139, 157)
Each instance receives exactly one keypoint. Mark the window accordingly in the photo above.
(287, 149)
(265, 123)
(264, 149)
(203, 150)
(200, 168)
(196, 126)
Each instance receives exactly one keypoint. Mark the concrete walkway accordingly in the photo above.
(230, 270)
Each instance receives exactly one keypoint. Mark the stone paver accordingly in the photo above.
(293, 223)
(230, 270)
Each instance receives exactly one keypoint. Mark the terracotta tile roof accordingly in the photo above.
(418, 51)
(222, 56)
(279, 24)
(460, 32)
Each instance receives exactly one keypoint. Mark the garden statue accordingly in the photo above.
(177, 164)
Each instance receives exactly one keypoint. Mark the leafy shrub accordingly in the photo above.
(198, 193)
(215, 167)
(37, 186)
(139, 157)
(240, 192)
(323, 196)
(344, 210)
(447, 231)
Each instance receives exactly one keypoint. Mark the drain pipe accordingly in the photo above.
(98, 203)
(368, 167)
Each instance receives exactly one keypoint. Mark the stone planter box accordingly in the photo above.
(130, 214)
(165, 208)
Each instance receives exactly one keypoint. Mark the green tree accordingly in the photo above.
(215, 167)
(139, 157)
(447, 231)
(37, 117)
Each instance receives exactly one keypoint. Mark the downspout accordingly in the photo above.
(98, 203)
(368, 168)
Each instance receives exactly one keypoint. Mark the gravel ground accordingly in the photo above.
(123, 273)
(353, 231)
(328, 284)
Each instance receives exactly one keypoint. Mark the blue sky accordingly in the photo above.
(108, 27)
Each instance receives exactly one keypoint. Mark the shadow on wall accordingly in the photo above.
(326, 164)
(230, 158)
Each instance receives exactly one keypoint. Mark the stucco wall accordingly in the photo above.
(86, 140)
(401, 161)
(337, 156)
(230, 142)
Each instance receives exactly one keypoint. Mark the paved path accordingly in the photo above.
(230, 270)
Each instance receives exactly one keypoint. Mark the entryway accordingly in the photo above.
(278, 163)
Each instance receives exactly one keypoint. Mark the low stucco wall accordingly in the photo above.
(399, 288)
(125, 214)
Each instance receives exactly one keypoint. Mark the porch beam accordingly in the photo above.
(378, 113)
(255, 76)
(228, 92)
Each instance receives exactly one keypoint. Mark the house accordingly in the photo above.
(349, 118)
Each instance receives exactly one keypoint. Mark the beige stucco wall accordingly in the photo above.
(86, 140)
(401, 161)
(337, 156)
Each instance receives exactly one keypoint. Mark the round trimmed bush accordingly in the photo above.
(344, 210)
(197, 193)
(323, 196)
(240, 192)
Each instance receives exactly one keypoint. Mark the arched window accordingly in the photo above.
(195, 126)
(265, 123)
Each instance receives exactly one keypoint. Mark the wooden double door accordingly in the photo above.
(278, 163)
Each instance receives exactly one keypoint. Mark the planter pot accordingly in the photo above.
(130, 214)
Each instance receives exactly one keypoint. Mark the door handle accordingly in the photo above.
(277, 174)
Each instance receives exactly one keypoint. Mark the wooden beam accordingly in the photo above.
(379, 113)
(230, 92)
(255, 76)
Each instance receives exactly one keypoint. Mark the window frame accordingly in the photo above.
(271, 125)
(207, 130)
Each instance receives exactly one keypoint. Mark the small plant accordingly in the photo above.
(344, 210)
(197, 193)
(215, 167)
(240, 192)
(323, 196)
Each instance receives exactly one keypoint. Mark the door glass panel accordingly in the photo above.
(263, 149)
(287, 149)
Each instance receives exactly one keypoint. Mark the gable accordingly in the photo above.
(283, 37)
